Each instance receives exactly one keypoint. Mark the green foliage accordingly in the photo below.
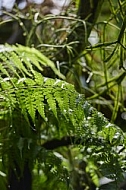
(36, 109)
(44, 121)
(24, 59)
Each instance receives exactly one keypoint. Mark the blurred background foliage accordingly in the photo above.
(90, 52)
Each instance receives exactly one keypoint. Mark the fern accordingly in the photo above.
(99, 121)
(52, 108)
(32, 98)
(33, 94)
(24, 59)
(50, 100)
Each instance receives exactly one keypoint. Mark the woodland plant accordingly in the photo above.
(40, 114)
(53, 89)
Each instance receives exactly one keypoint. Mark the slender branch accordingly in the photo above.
(70, 140)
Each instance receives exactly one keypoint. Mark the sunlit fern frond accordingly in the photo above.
(23, 61)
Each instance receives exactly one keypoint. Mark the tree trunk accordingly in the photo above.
(20, 180)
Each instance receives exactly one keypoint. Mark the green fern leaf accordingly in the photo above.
(39, 101)
(30, 103)
(27, 56)
(23, 57)
(8, 92)
(17, 62)
(59, 99)
(7, 67)
(40, 108)
(50, 100)
(38, 78)
(48, 82)
(91, 168)
(42, 59)
(111, 133)
(66, 97)
(98, 120)
(30, 82)
(21, 93)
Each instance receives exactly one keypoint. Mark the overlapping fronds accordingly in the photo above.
(25, 88)
(32, 95)
(63, 111)
(21, 60)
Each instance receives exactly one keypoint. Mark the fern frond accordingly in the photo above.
(62, 111)
(59, 99)
(50, 100)
(15, 60)
(6, 67)
(8, 92)
(30, 103)
(38, 78)
(37, 59)
(25, 60)
(98, 120)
